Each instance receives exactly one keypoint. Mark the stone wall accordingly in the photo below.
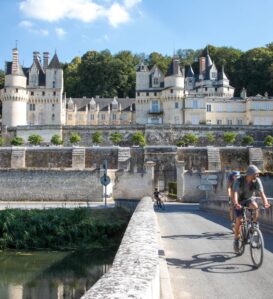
(135, 270)
(52, 185)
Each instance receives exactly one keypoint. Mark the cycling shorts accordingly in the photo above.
(243, 203)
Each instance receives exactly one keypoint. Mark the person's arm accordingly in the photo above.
(235, 200)
(264, 199)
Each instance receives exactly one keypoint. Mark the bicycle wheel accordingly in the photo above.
(242, 240)
(257, 247)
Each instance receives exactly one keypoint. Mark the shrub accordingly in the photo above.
(229, 137)
(172, 186)
(268, 141)
(116, 137)
(2, 141)
(97, 138)
(138, 139)
(35, 139)
(75, 138)
(17, 141)
(210, 137)
(56, 140)
(188, 139)
(247, 140)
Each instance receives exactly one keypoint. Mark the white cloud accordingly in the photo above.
(31, 27)
(60, 32)
(106, 37)
(82, 10)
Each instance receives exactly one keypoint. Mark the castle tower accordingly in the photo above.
(14, 96)
(174, 76)
(142, 77)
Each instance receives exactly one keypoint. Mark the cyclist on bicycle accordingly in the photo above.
(231, 179)
(244, 189)
(157, 196)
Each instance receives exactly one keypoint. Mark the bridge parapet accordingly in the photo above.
(135, 270)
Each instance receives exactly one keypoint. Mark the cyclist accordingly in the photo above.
(231, 179)
(157, 196)
(244, 189)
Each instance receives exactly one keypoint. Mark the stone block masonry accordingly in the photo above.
(50, 185)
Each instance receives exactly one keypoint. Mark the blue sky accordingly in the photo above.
(72, 27)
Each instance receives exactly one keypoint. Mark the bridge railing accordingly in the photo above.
(135, 270)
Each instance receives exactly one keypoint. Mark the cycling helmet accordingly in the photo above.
(237, 173)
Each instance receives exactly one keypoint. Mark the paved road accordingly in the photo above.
(200, 258)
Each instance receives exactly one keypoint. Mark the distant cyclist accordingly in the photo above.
(244, 189)
(157, 196)
(231, 179)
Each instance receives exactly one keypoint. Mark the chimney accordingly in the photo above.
(202, 65)
(36, 55)
(45, 59)
(15, 61)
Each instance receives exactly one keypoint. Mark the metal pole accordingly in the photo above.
(105, 197)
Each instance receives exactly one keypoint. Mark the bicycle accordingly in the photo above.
(159, 204)
(251, 234)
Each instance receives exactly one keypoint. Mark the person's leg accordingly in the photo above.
(253, 205)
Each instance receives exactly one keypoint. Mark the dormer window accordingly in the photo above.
(156, 81)
(213, 75)
(53, 84)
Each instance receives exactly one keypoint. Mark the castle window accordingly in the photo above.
(171, 90)
(239, 122)
(194, 104)
(5, 90)
(176, 105)
(155, 106)
(215, 88)
(54, 93)
(138, 94)
(209, 108)
(219, 121)
(92, 117)
(125, 117)
(114, 116)
(156, 81)
(53, 117)
(206, 89)
(155, 94)
(53, 84)
(31, 107)
(229, 122)
(16, 90)
(103, 117)
(147, 94)
(213, 75)
(32, 93)
(43, 93)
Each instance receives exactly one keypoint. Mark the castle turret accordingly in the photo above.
(174, 76)
(142, 77)
(14, 95)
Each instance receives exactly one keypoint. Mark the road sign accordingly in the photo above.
(105, 180)
(208, 182)
(209, 177)
(205, 187)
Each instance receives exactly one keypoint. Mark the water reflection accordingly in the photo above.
(51, 275)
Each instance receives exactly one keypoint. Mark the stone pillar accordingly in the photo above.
(149, 166)
(78, 158)
(124, 157)
(18, 157)
(180, 170)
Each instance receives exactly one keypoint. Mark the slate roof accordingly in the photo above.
(174, 67)
(54, 63)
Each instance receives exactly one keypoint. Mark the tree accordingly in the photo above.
(210, 137)
(188, 139)
(116, 137)
(161, 61)
(268, 141)
(74, 138)
(56, 139)
(138, 138)
(35, 139)
(247, 140)
(17, 141)
(97, 138)
(2, 79)
(229, 137)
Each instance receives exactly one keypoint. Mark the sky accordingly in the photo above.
(73, 27)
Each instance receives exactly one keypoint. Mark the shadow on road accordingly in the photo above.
(213, 262)
(221, 220)
(205, 235)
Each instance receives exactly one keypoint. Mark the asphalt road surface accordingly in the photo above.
(201, 262)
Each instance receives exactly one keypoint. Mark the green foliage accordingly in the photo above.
(247, 140)
(138, 139)
(116, 137)
(2, 79)
(61, 228)
(188, 139)
(17, 141)
(229, 137)
(56, 139)
(97, 138)
(210, 137)
(35, 139)
(268, 141)
(172, 186)
(74, 138)
(2, 141)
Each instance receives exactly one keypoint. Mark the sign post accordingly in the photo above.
(207, 181)
(105, 180)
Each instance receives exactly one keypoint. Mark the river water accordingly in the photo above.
(51, 275)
